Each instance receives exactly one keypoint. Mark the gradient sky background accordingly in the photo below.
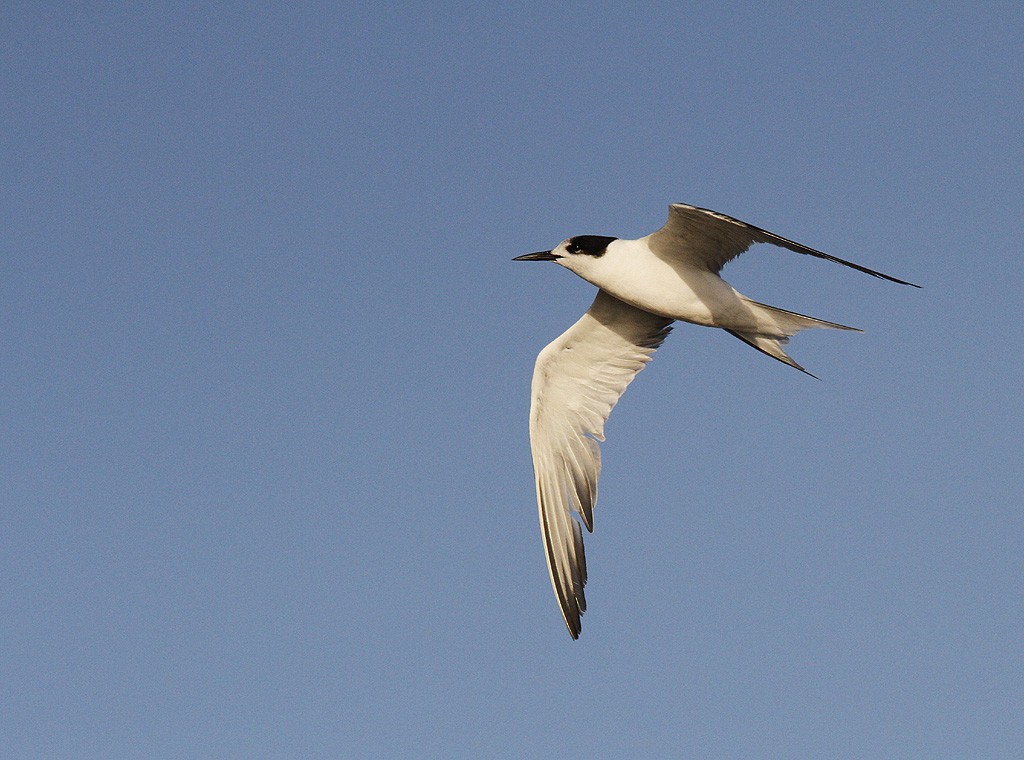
(264, 469)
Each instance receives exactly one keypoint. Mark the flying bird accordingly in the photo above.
(643, 286)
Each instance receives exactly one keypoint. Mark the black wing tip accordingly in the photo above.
(571, 601)
(572, 610)
(911, 284)
(572, 619)
(880, 276)
(572, 613)
(574, 605)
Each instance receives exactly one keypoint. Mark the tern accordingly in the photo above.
(643, 286)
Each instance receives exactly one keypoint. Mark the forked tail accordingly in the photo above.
(787, 323)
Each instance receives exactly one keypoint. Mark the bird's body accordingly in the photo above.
(644, 285)
(630, 271)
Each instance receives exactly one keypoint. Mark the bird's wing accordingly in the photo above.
(577, 380)
(707, 239)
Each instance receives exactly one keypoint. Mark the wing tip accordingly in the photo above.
(903, 282)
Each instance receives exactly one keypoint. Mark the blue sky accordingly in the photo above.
(265, 483)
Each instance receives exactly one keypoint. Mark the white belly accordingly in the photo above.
(702, 298)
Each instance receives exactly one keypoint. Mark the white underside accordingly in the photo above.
(634, 275)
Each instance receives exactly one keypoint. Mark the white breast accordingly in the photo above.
(629, 271)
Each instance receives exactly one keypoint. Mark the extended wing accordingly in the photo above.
(578, 379)
(704, 238)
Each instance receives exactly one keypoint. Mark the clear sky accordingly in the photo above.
(265, 482)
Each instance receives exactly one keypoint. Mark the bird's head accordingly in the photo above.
(574, 254)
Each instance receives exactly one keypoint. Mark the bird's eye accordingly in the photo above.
(572, 248)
